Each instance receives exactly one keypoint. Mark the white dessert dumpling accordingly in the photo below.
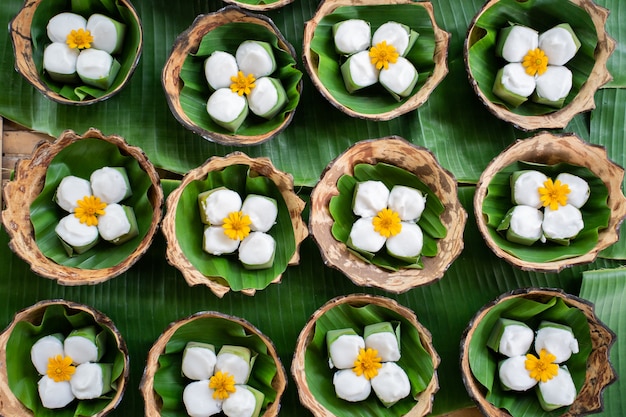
(511, 337)
(525, 225)
(358, 72)
(399, 78)
(76, 237)
(110, 184)
(408, 202)
(350, 387)
(363, 237)
(513, 374)
(97, 68)
(267, 98)
(59, 61)
(391, 384)
(216, 242)
(579, 189)
(81, 345)
(118, 224)
(557, 392)
(199, 401)
(560, 44)
(60, 25)
(344, 346)
(236, 361)
(408, 243)
(44, 349)
(256, 58)
(393, 33)
(199, 361)
(108, 34)
(216, 204)
(513, 84)
(262, 211)
(70, 190)
(515, 41)
(244, 402)
(558, 339)
(257, 251)
(91, 380)
(352, 35)
(553, 86)
(53, 394)
(563, 223)
(370, 197)
(382, 338)
(525, 187)
(219, 67)
(227, 108)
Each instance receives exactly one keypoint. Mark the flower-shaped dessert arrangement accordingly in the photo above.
(63, 358)
(231, 78)
(77, 52)
(537, 352)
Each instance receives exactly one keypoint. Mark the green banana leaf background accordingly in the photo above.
(453, 124)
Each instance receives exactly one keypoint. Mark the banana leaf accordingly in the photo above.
(415, 361)
(540, 15)
(45, 213)
(110, 8)
(196, 91)
(484, 362)
(189, 229)
(377, 99)
(168, 380)
(595, 212)
(23, 377)
(340, 208)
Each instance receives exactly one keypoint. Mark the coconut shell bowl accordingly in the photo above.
(18, 376)
(31, 214)
(428, 55)
(314, 378)
(417, 167)
(183, 227)
(29, 38)
(588, 65)
(186, 87)
(163, 367)
(552, 154)
(589, 368)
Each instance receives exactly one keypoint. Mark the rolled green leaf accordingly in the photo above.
(525, 186)
(257, 251)
(236, 361)
(91, 380)
(397, 34)
(511, 337)
(559, 43)
(256, 58)
(383, 338)
(111, 184)
(391, 384)
(85, 345)
(198, 399)
(59, 61)
(350, 387)
(219, 67)
(369, 198)
(557, 392)
(553, 86)
(558, 339)
(358, 72)
(400, 78)
(227, 108)
(406, 245)
(515, 41)
(60, 25)
(523, 225)
(267, 98)
(513, 374)
(70, 190)
(216, 204)
(408, 202)
(562, 224)
(108, 34)
(198, 361)
(343, 347)
(244, 402)
(262, 211)
(579, 189)
(216, 242)
(351, 36)
(97, 68)
(513, 85)
(54, 395)
(118, 224)
(44, 349)
(75, 236)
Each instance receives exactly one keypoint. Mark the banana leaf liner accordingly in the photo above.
(428, 55)
(28, 34)
(590, 368)
(314, 377)
(398, 160)
(550, 153)
(184, 230)
(187, 90)
(18, 381)
(162, 383)
(588, 66)
(31, 213)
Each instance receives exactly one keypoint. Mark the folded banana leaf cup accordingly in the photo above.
(28, 35)
(31, 214)
(394, 161)
(187, 90)
(590, 368)
(259, 5)
(602, 214)
(429, 55)
(314, 378)
(162, 383)
(588, 65)
(18, 377)
(183, 228)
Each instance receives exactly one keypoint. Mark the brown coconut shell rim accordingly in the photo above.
(600, 372)
(261, 7)
(548, 148)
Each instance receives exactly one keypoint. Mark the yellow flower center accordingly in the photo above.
(237, 225)
(222, 384)
(387, 223)
(382, 55)
(553, 193)
(242, 84)
(80, 39)
(542, 368)
(535, 62)
(88, 209)
(367, 363)
(60, 368)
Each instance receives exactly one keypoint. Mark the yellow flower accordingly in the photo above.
(553, 193)
(382, 55)
(60, 368)
(88, 209)
(236, 225)
(223, 384)
(242, 84)
(543, 368)
(535, 62)
(80, 39)
(387, 223)
(368, 362)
